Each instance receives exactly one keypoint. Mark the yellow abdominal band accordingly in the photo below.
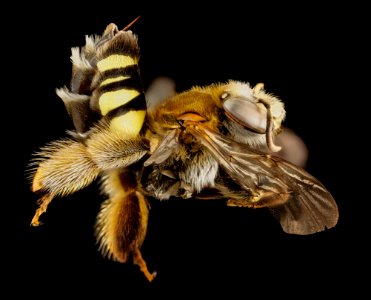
(130, 123)
(111, 100)
(115, 61)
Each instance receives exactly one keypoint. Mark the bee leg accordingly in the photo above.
(109, 149)
(261, 199)
(138, 260)
(122, 221)
(43, 205)
(64, 167)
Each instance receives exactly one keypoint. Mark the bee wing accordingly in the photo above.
(308, 206)
(164, 149)
(293, 148)
(311, 207)
(159, 89)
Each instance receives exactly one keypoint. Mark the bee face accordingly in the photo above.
(247, 112)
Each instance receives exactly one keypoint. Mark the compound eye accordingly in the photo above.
(250, 115)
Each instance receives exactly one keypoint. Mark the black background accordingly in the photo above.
(300, 53)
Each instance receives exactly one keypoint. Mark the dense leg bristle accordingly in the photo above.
(122, 221)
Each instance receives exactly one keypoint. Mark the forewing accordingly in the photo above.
(164, 149)
(309, 208)
(246, 167)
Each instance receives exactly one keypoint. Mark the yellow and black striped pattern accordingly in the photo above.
(119, 94)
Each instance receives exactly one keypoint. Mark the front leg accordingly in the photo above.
(264, 195)
(260, 199)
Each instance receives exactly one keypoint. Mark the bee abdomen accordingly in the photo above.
(119, 94)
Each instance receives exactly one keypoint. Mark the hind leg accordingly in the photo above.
(63, 168)
(122, 221)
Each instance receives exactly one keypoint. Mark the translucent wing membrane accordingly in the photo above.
(300, 202)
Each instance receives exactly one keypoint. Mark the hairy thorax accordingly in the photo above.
(197, 169)
(186, 172)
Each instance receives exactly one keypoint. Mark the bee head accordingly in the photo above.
(253, 116)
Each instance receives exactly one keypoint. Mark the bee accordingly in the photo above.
(208, 142)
